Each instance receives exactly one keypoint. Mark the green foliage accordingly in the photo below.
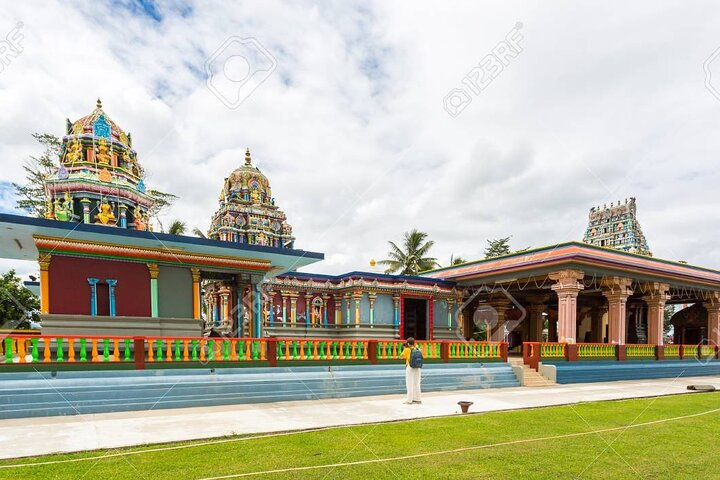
(669, 312)
(198, 233)
(32, 196)
(163, 201)
(412, 258)
(500, 247)
(456, 260)
(18, 305)
(177, 227)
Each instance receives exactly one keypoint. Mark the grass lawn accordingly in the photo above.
(681, 448)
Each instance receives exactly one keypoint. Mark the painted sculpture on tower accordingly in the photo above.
(99, 179)
(248, 213)
(617, 227)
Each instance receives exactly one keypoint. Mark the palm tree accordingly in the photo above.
(412, 258)
(177, 227)
(456, 260)
(198, 233)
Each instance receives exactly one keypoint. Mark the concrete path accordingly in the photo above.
(112, 430)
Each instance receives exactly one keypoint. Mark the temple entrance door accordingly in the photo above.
(415, 318)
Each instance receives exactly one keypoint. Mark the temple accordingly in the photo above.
(616, 227)
(243, 280)
(100, 179)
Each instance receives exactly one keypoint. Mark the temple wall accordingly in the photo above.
(364, 309)
(384, 310)
(441, 313)
(175, 292)
(70, 291)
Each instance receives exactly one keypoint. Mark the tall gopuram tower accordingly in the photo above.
(99, 179)
(248, 213)
(617, 227)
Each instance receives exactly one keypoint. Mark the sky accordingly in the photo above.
(466, 120)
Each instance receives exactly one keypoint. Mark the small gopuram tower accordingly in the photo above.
(617, 227)
(99, 179)
(248, 213)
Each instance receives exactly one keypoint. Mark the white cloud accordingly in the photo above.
(603, 103)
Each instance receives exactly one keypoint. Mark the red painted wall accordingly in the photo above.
(70, 291)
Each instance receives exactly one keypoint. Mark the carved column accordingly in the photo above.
(535, 311)
(44, 262)
(597, 313)
(195, 272)
(293, 308)
(655, 299)
(348, 307)
(450, 310)
(338, 309)
(713, 309)
(154, 270)
(308, 312)
(497, 331)
(396, 311)
(371, 300)
(617, 290)
(224, 306)
(357, 296)
(325, 299)
(567, 287)
(283, 297)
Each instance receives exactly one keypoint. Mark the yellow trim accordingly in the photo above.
(44, 262)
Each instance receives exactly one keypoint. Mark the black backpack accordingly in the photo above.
(416, 358)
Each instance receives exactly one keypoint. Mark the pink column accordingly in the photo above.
(497, 331)
(617, 290)
(535, 311)
(567, 287)
(713, 309)
(655, 299)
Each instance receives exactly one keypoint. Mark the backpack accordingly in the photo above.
(416, 358)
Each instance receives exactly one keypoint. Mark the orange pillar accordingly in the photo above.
(713, 328)
(195, 272)
(655, 300)
(617, 290)
(44, 262)
(567, 286)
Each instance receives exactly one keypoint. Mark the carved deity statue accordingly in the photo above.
(74, 152)
(255, 196)
(266, 313)
(102, 155)
(63, 208)
(106, 215)
(140, 223)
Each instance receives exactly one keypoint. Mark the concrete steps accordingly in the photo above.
(69, 393)
(527, 376)
(601, 371)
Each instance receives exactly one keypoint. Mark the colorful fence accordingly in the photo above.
(156, 351)
(535, 352)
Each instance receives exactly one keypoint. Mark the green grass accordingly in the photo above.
(683, 448)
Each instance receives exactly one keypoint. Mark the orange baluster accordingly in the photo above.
(233, 351)
(151, 354)
(46, 349)
(94, 352)
(353, 346)
(302, 350)
(186, 353)
(202, 350)
(287, 350)
(341, 347)
(71, 350)
(169, 354)
(218, 351)
(263, 350)
(365, 351)
(116, 350)
(21, 349)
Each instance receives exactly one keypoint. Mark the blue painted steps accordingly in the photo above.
(600, 371)
(39, 394)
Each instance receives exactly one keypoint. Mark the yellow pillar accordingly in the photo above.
(44, 262)
(195, 272)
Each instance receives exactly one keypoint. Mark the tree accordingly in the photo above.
(412, 258)
(667, 317)
(162, 202)
(198, 233)
(18, 305)
(456, 260)
(500, 247)
(177, 227)
(33, 196)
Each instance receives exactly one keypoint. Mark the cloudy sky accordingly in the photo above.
(343, 106)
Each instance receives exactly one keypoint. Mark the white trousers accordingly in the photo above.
(412, 382)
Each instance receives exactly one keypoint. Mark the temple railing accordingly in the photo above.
(154, 352)
(536, 352)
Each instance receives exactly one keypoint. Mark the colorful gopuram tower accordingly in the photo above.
(99, 179)
(617, 227)
(248, 213)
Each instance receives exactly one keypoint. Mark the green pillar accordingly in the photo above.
(154, 304)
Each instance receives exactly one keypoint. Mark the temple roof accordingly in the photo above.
(100, 124)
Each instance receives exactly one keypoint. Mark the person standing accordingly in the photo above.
(413, 364)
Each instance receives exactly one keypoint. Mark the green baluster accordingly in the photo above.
(106, 350)
(159, 351)
(226, 350)
(177, 351)
(60, 353)
(294, 350)
(322, 346)
(211, 350)
(83, 350)
(347, 350)
(8, 350)
(35, 350)
(334, 350)
(194, 350)
(127, 350)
